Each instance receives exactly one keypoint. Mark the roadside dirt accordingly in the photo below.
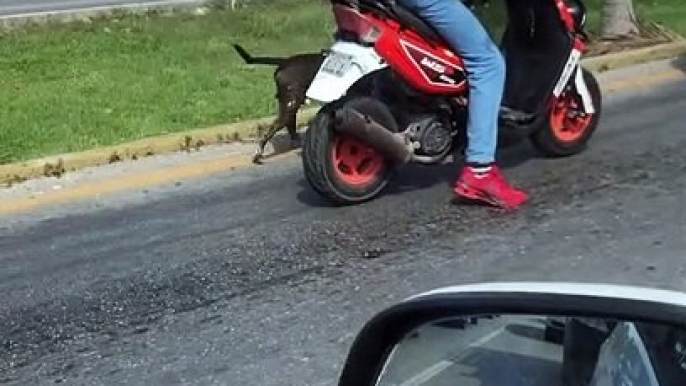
(604, 47)
(651, 34)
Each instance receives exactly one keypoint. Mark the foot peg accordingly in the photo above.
(515, 116)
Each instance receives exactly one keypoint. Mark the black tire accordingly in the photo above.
(548, 142)
(318, 147)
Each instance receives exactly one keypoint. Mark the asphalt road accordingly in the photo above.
(248, 279)
(19, 7)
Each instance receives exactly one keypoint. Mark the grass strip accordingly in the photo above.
(77, 86)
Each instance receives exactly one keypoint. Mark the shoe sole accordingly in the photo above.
(465, 191)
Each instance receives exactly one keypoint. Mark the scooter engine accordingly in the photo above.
(431, 136)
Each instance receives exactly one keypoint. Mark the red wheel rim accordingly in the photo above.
(355, 163)
(568, 122)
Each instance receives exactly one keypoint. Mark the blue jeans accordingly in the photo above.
(485, 68)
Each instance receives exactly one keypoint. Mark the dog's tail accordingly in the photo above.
(249, 59)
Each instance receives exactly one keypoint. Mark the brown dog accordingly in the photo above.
(292, 77)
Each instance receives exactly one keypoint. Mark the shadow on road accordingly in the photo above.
(680, 63)
(525, 331)
(486, 366)
(417, 177)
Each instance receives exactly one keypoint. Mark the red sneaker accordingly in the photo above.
(488, 186)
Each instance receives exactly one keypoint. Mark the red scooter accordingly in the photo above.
(393, 92)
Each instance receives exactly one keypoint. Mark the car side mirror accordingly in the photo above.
(523, 333)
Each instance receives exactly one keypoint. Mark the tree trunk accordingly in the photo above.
(619, 19)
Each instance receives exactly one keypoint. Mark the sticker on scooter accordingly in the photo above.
(338, 64)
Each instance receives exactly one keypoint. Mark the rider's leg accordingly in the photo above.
(486, 75)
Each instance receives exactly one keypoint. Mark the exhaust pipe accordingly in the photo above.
(391, 145)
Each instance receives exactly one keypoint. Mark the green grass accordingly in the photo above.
(70, 87)
(669, 13)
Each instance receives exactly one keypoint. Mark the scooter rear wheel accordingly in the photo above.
(341, 168)
(568, 129)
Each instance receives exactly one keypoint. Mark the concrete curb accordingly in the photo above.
(246, 131)
(190, 140)
(97, 12)
(633, 57)
(87, 14)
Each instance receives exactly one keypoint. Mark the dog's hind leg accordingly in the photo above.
(271, 131)
(286, 118)
(291, 122)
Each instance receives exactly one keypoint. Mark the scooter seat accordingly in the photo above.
(411, 20)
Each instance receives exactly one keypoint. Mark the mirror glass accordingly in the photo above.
(537, 350)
